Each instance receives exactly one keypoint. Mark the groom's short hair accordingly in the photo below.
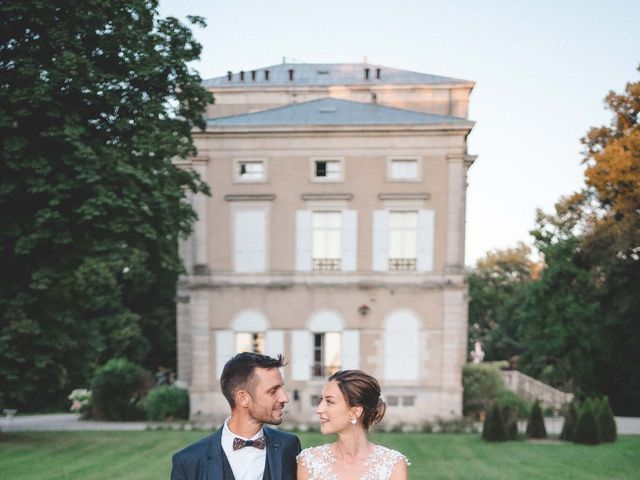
(238, 372)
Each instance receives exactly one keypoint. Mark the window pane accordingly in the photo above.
(250, 342)
(331, 169)
(332, 351)
(251, 170)
(321, 169)
(404, 169)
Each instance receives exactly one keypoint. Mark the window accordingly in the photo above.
(326, 244)
(250, 170)
(392, 400)
(329, 170)
(408, 401)
(250, 342)
(326, 354)
(250, 240)
(315, 400)
(403, 169)
(403, 241)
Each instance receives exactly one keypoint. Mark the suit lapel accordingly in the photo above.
(274, 454)
(214, 457)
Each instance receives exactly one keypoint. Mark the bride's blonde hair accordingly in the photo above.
(361, 390)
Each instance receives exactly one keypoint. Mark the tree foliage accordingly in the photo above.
(97, 99)
(535, 424)
(576, 324)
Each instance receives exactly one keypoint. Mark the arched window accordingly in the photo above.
(401, 346)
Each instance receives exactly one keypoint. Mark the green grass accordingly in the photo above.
(147, 455)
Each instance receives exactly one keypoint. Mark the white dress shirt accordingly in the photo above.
(246, 463)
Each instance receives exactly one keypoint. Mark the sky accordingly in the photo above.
(542, 69)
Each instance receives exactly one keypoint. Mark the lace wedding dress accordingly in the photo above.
(379, 464)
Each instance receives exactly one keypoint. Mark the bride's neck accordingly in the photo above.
(352, 444)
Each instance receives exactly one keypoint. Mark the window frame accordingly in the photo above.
(337, 229)
(314, 178)
(400, 158)
(237, 162)
(415, 232)
(321, 368)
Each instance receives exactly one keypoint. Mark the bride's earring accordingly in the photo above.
(353, 421)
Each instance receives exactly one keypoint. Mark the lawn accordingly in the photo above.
(147, 455)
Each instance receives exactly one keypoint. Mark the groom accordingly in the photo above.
(242, 449)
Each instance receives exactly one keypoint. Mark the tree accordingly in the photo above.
(587, 428)
(612, 192)
(97, 99)
(570, 422)
(494, 429)
(495, 285)
(535, 424)
(606, 422)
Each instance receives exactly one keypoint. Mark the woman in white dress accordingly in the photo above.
(349, 406)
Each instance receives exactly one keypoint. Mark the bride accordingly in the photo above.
(349, 405)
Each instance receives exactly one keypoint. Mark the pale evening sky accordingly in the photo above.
(541, 67)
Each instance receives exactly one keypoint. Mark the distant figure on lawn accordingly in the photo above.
(243, 448)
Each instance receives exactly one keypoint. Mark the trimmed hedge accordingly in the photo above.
(118, 388)
(570, 422)
(587, 431)
(166, 403)
(607, 422)
(494, 429)
(535, 425)
(480, 383)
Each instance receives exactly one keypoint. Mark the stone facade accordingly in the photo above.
(296, 249)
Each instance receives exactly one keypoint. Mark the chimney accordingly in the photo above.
(378, 73)
(366, 74)
(241, 76)
(229, 75)
(266, 75)
(253, 75)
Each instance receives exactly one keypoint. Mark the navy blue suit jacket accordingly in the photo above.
(203, 460)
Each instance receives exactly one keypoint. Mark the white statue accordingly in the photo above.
(478, 354)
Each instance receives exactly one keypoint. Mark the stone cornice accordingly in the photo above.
(250, 197)
(326, 196)
(404, 196)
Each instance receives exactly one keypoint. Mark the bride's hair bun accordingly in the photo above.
(361, 390)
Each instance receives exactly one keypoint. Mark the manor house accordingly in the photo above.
(334, 234)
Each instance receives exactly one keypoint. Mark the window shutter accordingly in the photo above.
(274, 342)
(401, 347)
(302, 351)
(381, 240)
(426, 233)
(225, 349)
(349, 241)
(303, 240)
(350, 350)
(250, 241)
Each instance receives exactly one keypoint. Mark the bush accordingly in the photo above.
(118, 388)
(606, 422)
(167, 403)
(494, 429)
(508, 399)
(535, 425)
(481, 383)
(81, 402)
(587, 428)
(570, 422)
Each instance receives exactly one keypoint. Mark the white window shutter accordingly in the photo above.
(274, 342)
(401, 347)
(250, 241)
(225, 349)
(426, 234)
(380, 240)
(301, 351)
(303, 240)
(349, 243)
(350, 350)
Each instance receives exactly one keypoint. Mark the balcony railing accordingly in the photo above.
(326, 264)
(402, 264)
(322, 371)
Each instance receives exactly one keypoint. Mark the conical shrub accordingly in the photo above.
(535, 425)
(510, 420)
(607, 422)
(494, 430)
(587, 431)
(570, 422)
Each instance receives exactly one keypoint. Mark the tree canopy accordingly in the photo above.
(97, 99)
(577, 324)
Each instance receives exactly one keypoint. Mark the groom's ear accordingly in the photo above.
(242, 398)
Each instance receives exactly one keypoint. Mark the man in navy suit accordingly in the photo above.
(243, 449)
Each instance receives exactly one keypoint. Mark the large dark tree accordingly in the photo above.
(96, 100)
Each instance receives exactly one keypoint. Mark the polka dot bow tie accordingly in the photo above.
(239, 443)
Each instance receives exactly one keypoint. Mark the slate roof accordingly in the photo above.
(333, 111)
(318, 74)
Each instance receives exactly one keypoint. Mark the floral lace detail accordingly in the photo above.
(380, 463)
